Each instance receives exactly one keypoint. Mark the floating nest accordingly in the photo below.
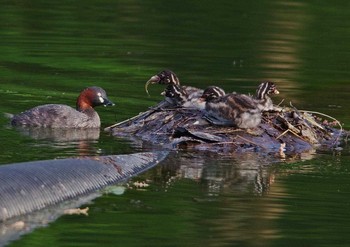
(290, 131)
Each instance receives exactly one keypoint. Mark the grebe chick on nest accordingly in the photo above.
(167, 77)
(238, 110)
(261, 97)
(177, 96)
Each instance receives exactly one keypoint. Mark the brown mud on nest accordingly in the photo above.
(289, 131)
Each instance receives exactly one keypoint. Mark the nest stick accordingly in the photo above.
(147, 113)
(325, 115)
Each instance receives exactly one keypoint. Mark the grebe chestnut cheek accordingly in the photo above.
(64, 116)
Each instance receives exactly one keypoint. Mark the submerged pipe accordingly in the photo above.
(31, 186)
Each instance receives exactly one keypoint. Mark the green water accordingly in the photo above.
(50, 51)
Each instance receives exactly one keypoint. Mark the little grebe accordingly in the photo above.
(237, 110)
(262, 98)
(63, 116)
(167, 77)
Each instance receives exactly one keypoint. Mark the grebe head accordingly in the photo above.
(212, 92)
(265, 88)
(91, 97)
(166, 77)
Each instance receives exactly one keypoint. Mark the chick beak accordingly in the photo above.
(154, 79)
(201, 100)
(276, 91)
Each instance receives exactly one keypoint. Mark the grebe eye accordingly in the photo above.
(101, 99)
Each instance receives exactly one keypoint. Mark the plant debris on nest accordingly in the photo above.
(289, 131)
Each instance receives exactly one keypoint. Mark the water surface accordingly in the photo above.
(51, 51)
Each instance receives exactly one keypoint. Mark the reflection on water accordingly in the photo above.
(243, 173)
(229, 182)
(79, 139)
(60, 135)
(12, 229)
(281, 46)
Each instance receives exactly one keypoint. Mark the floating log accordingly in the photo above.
(31, 186)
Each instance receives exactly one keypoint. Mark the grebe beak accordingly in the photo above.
(154, 79)
(107, 102)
